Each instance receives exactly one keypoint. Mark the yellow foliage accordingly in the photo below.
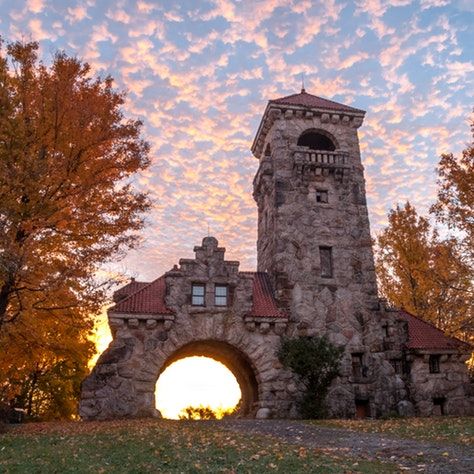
(66, 154)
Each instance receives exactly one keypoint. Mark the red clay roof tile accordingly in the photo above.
(263, 303)
(423, 335)
(132, 287)
(149, 299)
(314, 102)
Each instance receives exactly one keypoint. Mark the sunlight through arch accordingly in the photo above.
(196, 381)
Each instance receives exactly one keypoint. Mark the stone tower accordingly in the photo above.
(313, 232)
(313, 227)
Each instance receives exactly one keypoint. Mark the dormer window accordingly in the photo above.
(221, 295)
(197, 294)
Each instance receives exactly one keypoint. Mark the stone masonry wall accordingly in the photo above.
(292, 226)
(123, 382)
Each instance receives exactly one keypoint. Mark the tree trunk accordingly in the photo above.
(5, 292)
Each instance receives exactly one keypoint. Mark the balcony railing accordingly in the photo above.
(322, 162)
(321, 157)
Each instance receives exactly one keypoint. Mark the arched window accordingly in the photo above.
(316, 141)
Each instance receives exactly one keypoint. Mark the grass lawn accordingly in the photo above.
(444, 429)
(139, 446)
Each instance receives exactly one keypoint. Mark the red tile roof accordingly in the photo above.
(314, 102)
(148, 299)
(423, 335)
(263, 302)
(130, 288)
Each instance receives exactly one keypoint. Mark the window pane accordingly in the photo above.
(434, 364)
(197, 294)
(221, 300)
(220, 296)
(198, 290)
(321, 196)
(198, 300)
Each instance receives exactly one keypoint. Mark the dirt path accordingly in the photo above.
(410, 455)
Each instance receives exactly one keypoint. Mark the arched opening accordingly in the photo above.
(315, 140)
(196, 382)
(230, 357)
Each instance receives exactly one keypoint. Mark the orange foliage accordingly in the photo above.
(67, 155)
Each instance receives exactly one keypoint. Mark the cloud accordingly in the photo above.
(200, 78)
(118, 15)
(76, 14)
(39, 33)
(35, 6)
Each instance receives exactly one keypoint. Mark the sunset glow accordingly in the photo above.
(196, 381)
(101, 336)
(191, 381)
(199, 75)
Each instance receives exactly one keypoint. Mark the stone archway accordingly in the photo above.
(154, 324)
(233, 359)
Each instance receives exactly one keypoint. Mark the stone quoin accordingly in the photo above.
(315, 276)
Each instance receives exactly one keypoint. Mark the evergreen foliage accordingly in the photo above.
(316, 362)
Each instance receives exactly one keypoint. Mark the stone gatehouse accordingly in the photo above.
(315, 276)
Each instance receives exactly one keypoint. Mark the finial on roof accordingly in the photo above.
(303, 90)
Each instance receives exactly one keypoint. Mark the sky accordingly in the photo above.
(199, 75)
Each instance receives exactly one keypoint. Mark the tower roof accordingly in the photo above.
(311, 101)
(307, 104)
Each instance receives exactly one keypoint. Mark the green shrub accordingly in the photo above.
(316, 362)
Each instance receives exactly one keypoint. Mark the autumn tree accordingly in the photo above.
(423, 273)
(455, 203)
(67, 205)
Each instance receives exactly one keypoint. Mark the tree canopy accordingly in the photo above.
(68, 156)
(427, 271)
(316, 362)
(455, 204)
(424, 274)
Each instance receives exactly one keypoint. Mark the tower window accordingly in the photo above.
(321, 195)
(197, 294)
(315, 141)
(358, 369)
(434, 364)
(325, 257)
(220, 295)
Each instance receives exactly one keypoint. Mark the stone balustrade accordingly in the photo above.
(321, 157)
(322, 162)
